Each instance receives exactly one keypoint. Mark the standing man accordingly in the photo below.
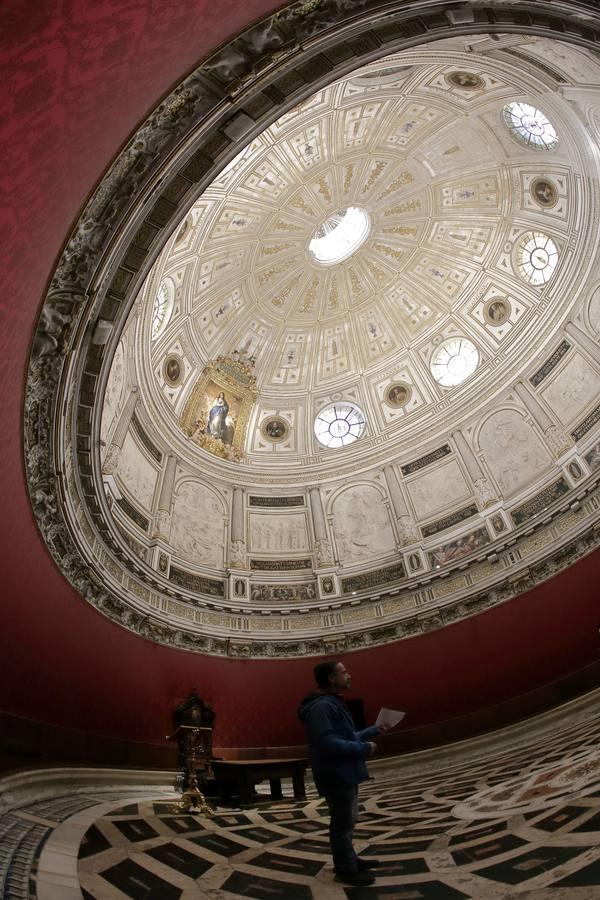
(337, 755)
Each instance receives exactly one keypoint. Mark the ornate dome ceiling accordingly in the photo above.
(451, 188)
(356, 395)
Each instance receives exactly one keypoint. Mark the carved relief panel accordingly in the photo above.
(437, 489)
(573, 389)
(361, 524)
(513, 451)
(198, 525)
(271, 532)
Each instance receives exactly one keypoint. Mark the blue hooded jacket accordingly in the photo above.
(337, 751)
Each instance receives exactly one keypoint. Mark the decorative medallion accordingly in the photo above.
(544, 192)
(275, 429)
(414, 561)
(398, 394)
(466, 81)
(327, 585)
(496, 311)
(173, 370)
(498, 523)
(575, 471)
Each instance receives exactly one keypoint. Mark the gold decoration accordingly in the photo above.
(324, 188)
(408, 206)
(301, 204)
(375, 173)
(277, 248)
(403, 179)
(348, 175)
(217, 411)
(309, 297)
(389, 251)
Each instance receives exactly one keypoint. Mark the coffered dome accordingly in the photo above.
(364, 231)
(355, 396)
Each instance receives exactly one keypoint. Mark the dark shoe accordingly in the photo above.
(364, 864)
(357, 878)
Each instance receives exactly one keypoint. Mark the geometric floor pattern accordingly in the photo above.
(520, 823)
(503, 816)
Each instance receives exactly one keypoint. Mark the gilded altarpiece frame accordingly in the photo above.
(217, 412)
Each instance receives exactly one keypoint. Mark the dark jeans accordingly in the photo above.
(343, 809)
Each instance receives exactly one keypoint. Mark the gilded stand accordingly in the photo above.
(192, 799)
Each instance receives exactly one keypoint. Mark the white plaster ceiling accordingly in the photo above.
(449, 194)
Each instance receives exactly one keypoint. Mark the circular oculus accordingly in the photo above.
(339, 236)
(530, 126)
(537, 256)
(339, 424)
(454, 361)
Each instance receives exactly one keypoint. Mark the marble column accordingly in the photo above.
(120, 433)
(584, 341)
(482, 488)
(557, 439)
(162, 517)
(406, 527)
(323, 549)
(237, 543)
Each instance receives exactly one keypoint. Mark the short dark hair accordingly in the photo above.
(323, 670)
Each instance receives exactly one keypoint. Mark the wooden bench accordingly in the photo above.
(240, 777)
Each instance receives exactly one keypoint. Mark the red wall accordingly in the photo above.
(77, 77)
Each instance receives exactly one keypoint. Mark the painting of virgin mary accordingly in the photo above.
(217, 418)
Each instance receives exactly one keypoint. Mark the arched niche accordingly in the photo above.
(513, 451)
(198, 524)
(361, 524)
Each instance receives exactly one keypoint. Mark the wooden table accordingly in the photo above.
(240, 776)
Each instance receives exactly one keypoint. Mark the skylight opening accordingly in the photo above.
(454, 361)
(530, 126)
(339, 425)
(340, 236)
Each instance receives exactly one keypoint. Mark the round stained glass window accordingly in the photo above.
(537, 256)
(530, 126)
(454, 361)
(339, 425)
(340, 236)
(162, 310)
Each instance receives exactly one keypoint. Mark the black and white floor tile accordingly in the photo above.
(521, 823)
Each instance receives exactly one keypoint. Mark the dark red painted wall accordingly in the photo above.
(77, 76)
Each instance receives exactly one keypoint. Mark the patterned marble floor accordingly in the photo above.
(523, 822)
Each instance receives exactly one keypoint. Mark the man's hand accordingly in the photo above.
(372, 748)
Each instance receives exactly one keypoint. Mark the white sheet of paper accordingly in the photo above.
(389, 717)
